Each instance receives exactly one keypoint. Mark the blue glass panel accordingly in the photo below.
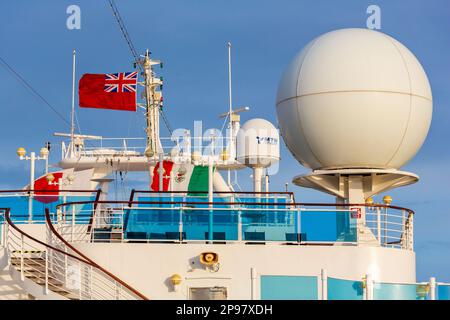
(82, 212)
(288, 288)
(339, 289)
(151, 223)
(268, 225)
(328, 226)
(196, 224)
(443, 292)
(200, 224)
(19, 206)
(278, 202)
(155, 199)
(394, 291)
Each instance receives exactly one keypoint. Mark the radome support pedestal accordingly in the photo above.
(355, 186)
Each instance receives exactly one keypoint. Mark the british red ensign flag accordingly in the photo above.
(116, 91)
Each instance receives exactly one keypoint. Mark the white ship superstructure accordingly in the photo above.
(354, 106)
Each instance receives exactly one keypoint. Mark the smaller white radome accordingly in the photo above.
(258, 143)
(354, 98)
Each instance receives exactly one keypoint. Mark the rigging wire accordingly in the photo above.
(166, 121)
(28, 86)
(125, 33)
(127, 38)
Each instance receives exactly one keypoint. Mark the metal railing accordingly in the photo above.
(390, 226)
(331, 287)
(28, 206)
(99, 146)
(58, 267)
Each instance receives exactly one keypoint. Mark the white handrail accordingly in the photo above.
(56, 268)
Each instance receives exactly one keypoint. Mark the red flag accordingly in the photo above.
(167, 168)
(115, 91)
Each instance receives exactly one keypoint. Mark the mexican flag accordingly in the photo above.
(185, 177)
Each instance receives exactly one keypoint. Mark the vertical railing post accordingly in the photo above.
(403, 238)
(369, 287)
(7, 243)
(58, 215)
(254, 276)
(432, 288)
(64, 208)
(324, 279)
(73, 222)
(90, 282)
(210, 200)
(180, 223)
(411, 223)
(49, 241)
(65, 266)
(3, 229)
(379, 225)
(239, 225)
(210, 225)
(117, 293)
(80, 296)
(407, 233)
(46, 271)
(21, 258)
(385, 226)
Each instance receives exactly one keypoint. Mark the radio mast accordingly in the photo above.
(153, 99)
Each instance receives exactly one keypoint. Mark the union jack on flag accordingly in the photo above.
(121, 82)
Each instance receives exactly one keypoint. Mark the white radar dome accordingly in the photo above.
(258, 144)
(354, 98)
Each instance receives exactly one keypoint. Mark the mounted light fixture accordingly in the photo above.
(50, 178)
(21, 152)
(176, 280)
(387, 200)
(43, 152)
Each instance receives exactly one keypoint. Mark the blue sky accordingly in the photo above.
(190, 37)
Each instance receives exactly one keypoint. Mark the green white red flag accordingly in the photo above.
(185, 177)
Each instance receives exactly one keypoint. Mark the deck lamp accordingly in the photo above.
(176, 280)
(43, 155)
(369, 204)
(387, 200)
(50, 178)
(43, 152)
(21, 152)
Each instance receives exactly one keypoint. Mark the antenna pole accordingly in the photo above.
(153, 103)
(230, 101)
(149, 104)
(72, 115)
